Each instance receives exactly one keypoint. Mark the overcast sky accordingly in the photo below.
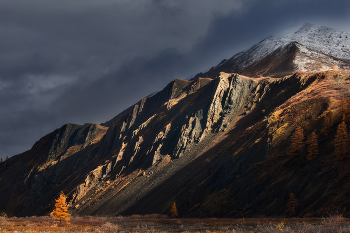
(78, 61)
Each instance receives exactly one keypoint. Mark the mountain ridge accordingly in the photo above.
(216, 146)
(332, 44)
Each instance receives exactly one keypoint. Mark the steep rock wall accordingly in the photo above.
(215, 147)
(249, 172)
(176, 135)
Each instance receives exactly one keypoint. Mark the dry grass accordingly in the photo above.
(335, 223)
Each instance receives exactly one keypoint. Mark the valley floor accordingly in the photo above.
(165, 224)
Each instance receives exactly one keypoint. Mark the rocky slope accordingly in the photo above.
(30, 181)
(215, 146)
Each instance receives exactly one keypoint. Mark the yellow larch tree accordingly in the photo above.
(341, 141)
(312, 146)
(297, 142)
(173, 211)
(61, 210)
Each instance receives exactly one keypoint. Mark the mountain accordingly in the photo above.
(217, 145)
(310, 48)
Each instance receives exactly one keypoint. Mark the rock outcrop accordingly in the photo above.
(216, 146)
(204, 137)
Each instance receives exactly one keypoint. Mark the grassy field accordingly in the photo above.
(163, 224)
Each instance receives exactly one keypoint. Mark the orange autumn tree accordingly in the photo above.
(173, 211)
(312, 150)
(297, 142)
(61, 210)
(341, 141)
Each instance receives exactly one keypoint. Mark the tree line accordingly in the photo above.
(341, 139)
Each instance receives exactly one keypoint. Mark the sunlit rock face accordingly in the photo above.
(217, 145)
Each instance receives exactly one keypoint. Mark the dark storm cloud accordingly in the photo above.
(87, 60)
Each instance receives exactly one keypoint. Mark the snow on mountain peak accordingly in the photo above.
(319, 38)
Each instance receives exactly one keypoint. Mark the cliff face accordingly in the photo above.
(216, 146)
(145, 154)
(249, 173)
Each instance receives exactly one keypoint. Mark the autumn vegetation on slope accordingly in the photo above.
(280, 143)
(299, 148)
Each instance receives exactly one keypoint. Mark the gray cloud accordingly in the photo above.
(87, 60)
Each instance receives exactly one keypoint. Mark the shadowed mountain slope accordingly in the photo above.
(218, 147)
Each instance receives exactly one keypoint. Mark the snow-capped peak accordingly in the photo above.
(320, 38)
(291, 30)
